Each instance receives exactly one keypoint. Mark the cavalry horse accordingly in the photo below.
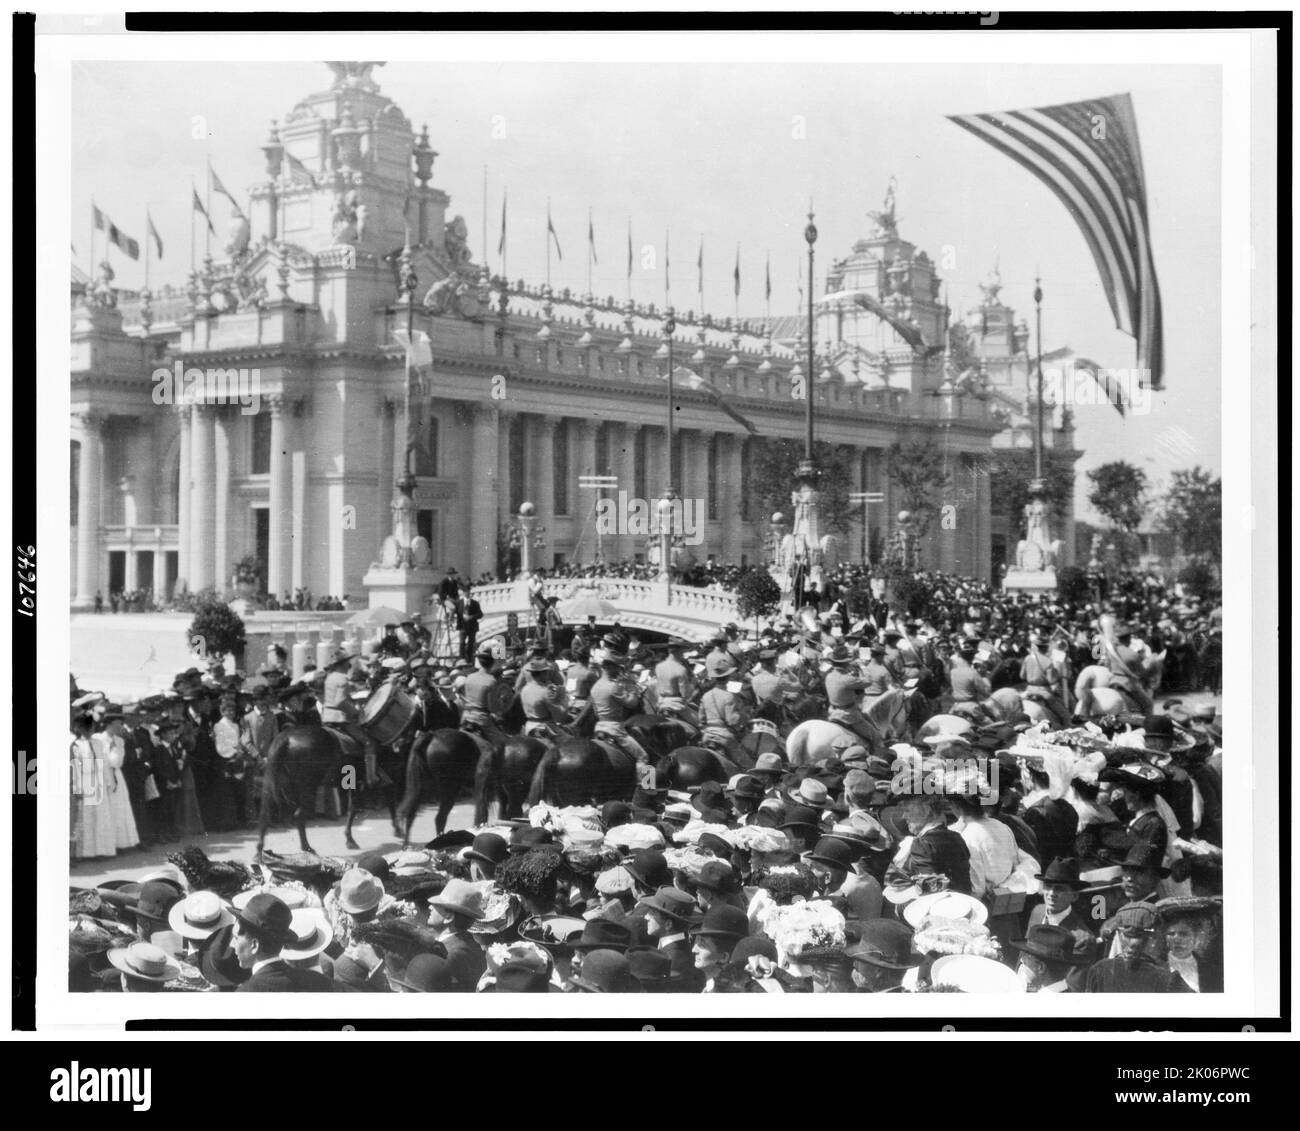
(816, 739)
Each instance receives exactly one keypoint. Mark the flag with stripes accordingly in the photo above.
(119, 238)
(1115, 392)
(152, 233)
(197, 206)
(689, 379)
(97, 217)
(217, 186)
(1087, 153)
(909, 332)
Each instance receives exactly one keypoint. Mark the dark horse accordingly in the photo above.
(583, 771)
(301, 759)
(446, 761)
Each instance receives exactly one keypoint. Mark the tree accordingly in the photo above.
(1072, 585)
(919, 470)
(1010, 471)
(1119, 494)
(216, 629)
(1193, 512)
(757, 594)
(1199, 579)
(773, 481)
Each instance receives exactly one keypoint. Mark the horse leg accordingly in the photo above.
(485, 781)
(300, 820)
(348, 840)
(410, 802)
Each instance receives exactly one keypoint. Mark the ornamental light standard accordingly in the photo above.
(806, 542)
(665, 509)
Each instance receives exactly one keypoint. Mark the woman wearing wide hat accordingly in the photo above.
(1191, 929)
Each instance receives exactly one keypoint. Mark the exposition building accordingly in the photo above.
(527, 389)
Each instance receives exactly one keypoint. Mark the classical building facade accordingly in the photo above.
(526, 391)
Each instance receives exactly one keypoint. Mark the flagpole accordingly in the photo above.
(485, 211)
(629, 259)
(667, 268)
(505, 234)
(591, 247)
(93, 210)
(147, 226)
(737, 298)
(548, 241)
(194, 194)
(207, 207)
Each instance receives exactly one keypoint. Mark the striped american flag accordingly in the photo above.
(1087, 153)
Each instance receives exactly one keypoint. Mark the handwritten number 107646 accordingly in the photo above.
(27, 580)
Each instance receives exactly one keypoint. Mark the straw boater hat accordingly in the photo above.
(145, 961)
(199, 915)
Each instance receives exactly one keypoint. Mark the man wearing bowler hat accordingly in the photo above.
(714, 939)
(1061, 887)
(262, 929)
(1046, 958)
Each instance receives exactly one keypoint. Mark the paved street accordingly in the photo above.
(373, 833)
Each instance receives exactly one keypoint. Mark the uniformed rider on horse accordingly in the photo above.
(338, 710)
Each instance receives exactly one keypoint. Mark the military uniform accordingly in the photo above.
(611, 700)
(675, 685)
(842, 689)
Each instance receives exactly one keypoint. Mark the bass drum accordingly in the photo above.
(387, 713)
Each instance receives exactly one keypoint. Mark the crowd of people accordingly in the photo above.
(988, 853)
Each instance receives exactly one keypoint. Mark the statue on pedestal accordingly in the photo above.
(1037, 550)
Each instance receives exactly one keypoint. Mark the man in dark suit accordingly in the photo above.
(449, 587)
(468, 614)
(450, 913)
(934, 847)
(1061, 887)
(262, 929)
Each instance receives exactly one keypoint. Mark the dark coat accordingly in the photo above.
(941, 851)
(281, 978)
(1112, 976)
(466, 959)
(1055, 824)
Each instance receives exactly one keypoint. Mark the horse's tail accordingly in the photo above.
(540, 784)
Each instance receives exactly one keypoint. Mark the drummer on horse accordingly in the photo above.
(338, 710)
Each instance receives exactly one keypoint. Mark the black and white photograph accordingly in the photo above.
(674, 514)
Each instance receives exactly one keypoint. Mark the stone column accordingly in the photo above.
(542, 457)
(223, 561)
(730, 491)
(505, 420)
(625, 469)
(298, 505)
(184, 413)
(475, 480)
(384, 409)
(201, 498)
(160, 574)
(584, 463)
(277, 569)
(88, 482)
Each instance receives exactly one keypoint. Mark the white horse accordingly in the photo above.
(815, 739)
(1095, 697)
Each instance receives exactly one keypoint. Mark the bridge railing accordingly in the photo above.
(628, 594)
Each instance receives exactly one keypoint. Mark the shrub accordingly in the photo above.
(219, 628)
(757, 595)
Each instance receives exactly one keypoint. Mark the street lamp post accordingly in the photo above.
(805, 533)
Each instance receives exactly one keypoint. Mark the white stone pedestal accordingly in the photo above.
(408, 589)
(1030, 581)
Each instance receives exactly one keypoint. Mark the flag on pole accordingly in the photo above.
(1114, 390)
(737, 272)
(591, 237)
(197, 205)
(152, 233)
(501, 243)
(629, 251)
(217, 186)
(699, 266)
(130, 247)
(1087, 153)
(97, 217)
(550, 232)
(691, 380)
(909, 332)
(767, 281)
(297, 170)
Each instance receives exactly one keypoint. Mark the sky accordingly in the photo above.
(731, 153)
